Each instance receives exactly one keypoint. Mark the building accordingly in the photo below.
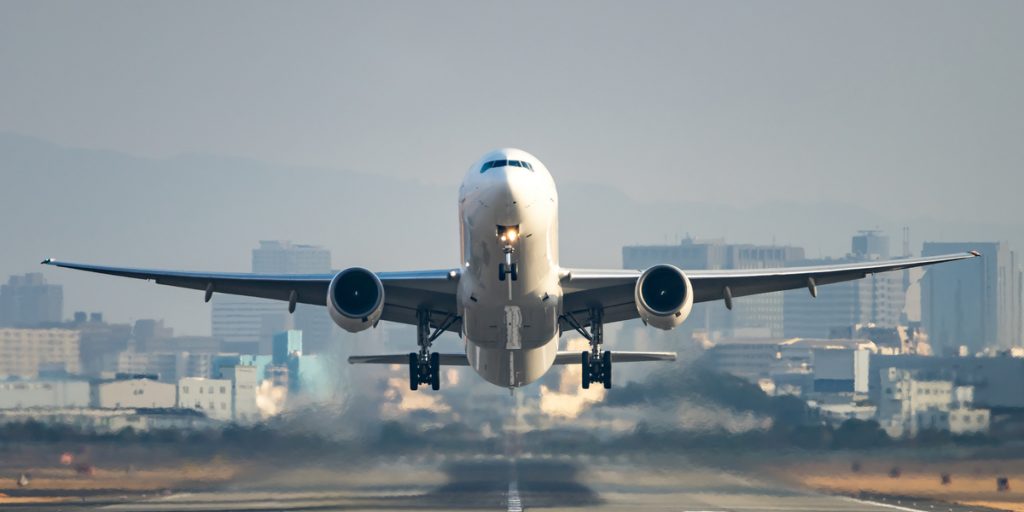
(282, 257)
(100, 343)
(56, 394)
(751, 359)
(895, 340)
(148, 333)
(996, 381)
(286, 345)
(910, 403)
(877, 299)
(131, 393)
(756, 316)
(974, 303)
(166, 366)
(222, 361)
(836, 414)
(211, 396)
(244, 387)
(23, 352)
(28, 301)
(110, 420)
(841, 370)
(246, 324)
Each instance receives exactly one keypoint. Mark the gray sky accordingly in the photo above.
(906, 109)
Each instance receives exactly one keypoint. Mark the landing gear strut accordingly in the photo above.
(596, 363)
(508, 236)
(425, 366)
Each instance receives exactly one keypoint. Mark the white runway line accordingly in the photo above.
(514, 503)
(880, 504)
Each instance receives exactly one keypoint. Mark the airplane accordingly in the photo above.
(509, 298)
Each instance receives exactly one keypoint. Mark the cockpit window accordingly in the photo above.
(503, 163)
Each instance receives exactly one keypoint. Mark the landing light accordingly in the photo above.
(512, 235)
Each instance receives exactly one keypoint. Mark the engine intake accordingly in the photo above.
(664, 296)
(355, 299)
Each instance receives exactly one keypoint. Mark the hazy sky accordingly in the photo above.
(906, 109)
(903, 105)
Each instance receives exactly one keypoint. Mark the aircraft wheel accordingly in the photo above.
(435, 371)
(514, 271)
(606, 366)
(586, 370)
(414, 371)
(501, 272)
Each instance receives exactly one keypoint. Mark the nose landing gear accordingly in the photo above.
(508, 236)
(596, 363)
(511, 270)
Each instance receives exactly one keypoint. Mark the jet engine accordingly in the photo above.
(355, 299)
(664, 296)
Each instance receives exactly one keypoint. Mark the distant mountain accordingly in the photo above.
(208, 212)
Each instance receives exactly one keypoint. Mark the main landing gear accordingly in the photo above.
(425, 366)
(596, 363)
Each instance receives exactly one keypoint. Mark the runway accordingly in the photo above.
(496, 484)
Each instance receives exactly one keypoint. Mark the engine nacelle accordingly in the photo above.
(355, 299)
(664, 296)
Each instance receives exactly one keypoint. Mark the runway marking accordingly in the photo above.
(514, 503)
(880, 504)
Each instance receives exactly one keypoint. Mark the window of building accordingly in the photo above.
(223, 390)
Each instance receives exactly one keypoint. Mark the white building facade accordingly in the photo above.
(55, 394)
(211, 396)
(908, 405)
(133, 393)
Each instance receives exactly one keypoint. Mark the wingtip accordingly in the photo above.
(47, 261)
(974, 253)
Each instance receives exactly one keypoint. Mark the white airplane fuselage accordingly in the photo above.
(510, 326)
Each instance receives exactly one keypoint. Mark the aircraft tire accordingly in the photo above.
(414, 371)
(435, 371)
(586, 370)
(606, 366)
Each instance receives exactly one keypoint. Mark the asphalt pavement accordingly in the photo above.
(552, 484)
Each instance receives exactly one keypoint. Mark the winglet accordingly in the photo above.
(974, 253)
(47, 261)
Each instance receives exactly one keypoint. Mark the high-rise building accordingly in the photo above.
(246, 324)
(974, 303)
(250, 323)
(755, 316)
(24, 351)
(877, 299)
(28, 301)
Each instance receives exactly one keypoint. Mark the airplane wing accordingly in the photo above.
(613, 290)
(404, 292)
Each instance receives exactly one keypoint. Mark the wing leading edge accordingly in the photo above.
(612, 290)
(404, 292)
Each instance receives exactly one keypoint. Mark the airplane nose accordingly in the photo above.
(514, 188)
(508, 191)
